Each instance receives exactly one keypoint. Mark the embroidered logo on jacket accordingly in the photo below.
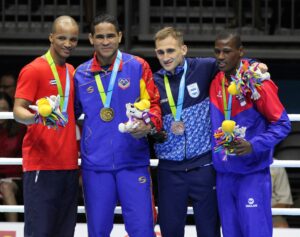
(193, 90)
(142, 179)
(124, 83)
(90, 89)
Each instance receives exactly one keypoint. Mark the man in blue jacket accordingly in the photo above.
(115, 166)
(248, 103)
(185, 171)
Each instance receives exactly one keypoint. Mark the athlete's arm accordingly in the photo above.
(21, 112)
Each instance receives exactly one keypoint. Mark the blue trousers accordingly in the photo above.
(175, 189)
(132, 188)
(245, 204)
(50, 200)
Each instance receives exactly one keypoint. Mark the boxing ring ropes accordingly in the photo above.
(154, 163)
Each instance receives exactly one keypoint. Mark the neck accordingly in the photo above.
(181, 64)
(233, 71)
(228, 75)
(56, 58)
(105, 61)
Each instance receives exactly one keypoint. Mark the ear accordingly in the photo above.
(50, 38)
(120, 36)
(241, 52)
(184, 49)
(91, 39)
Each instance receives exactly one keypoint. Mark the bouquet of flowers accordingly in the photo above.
(48, 112)
(247, 80)
(227, 136)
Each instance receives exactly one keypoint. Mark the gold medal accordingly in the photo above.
(177, 127)
(106, 114)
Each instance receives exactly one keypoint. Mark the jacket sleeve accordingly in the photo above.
(148, 90)
(271, 108)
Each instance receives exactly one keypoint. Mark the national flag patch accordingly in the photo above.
(52, 82)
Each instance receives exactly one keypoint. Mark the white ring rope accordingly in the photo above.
(118, 210)
(153, 163)
(9, 115)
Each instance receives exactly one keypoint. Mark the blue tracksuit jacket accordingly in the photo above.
(196, 141)
(103, 147)
(266, 121)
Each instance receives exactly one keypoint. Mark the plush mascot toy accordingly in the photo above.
(138, 110)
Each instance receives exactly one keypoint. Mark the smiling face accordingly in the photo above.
(106, 40)
(64, 39)
(228, 54)
(170, 53)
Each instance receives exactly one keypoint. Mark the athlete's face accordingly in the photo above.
(170, 53)
(63, 40)
(228, 55)
(106, 42)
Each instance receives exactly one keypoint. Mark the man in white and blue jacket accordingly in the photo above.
(185, 171)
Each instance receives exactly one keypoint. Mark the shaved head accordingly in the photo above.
(63, 38)
(63, 21)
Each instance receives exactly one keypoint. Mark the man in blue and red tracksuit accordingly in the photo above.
(115, 165)
(243, 178)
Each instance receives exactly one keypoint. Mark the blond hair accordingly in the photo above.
(169, 31)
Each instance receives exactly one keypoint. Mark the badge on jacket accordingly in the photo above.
(193, 90)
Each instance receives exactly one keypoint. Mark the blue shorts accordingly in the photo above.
(50, 200)
(245, 204)
(132, 188)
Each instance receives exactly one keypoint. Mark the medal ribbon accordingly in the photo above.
(176, 110)
(64, 99)
(106, 99)
(227, 107)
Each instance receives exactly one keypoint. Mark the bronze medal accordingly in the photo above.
(177, 127)
(106, 114)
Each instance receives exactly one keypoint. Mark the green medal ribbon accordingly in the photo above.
(107, 99)
(176, 110)
(64, 98)
(227, 108)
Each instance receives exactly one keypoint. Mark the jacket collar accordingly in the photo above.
(96, 67)
(178, 70)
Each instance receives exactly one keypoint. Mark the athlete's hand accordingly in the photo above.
(243, 147)
(262, 66)
(140, 129)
